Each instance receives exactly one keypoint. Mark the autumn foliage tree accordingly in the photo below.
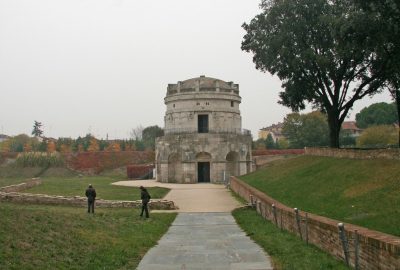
(51, 146)
(93, 145)
(114, 147)
(378, 136)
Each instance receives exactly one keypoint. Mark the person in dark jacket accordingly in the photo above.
(145, 196)
(91, 196)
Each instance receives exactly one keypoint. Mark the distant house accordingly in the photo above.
(275, 130)
(351, 128)
(3, 137)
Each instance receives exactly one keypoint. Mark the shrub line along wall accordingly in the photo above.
(376, 250)
(12, 194)
(354, 153)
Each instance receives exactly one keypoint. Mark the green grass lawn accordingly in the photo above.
(56, 237)
(362, 192)
(75, 186)
(286, 250)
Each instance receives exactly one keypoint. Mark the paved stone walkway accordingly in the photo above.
(204, 235)
(205, 241)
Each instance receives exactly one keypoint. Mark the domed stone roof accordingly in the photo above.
(202, 83)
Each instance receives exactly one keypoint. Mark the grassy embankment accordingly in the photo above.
(58, 237)
(362, 192)
(286, 250)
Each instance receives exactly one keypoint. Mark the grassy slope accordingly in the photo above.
(286, 250)
(55, 237)
(363, 192)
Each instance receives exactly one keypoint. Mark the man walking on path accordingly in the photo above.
(91, 196)
(145, 196)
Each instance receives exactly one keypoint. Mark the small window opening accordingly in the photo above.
(232, 104)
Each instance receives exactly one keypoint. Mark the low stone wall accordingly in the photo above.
(376, 250)
(17, 197)
(19, 187)
(354, 153)
(12, 194)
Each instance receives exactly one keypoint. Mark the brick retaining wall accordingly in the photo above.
(377, 250)
(354, 153)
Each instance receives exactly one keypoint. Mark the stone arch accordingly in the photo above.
(174, 167)
(232, 164)
(203, 156)
(203, 166)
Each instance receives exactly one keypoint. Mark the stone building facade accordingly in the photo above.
(203, 137)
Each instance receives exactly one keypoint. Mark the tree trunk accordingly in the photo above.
(334, 129)
(397, 99)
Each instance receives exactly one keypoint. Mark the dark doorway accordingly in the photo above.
(203, 169)
(202, 123)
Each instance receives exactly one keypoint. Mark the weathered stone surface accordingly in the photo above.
(204, 140)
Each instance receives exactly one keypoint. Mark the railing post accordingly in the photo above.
(298, 222)
(343, 239)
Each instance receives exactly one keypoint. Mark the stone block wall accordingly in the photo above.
(17, 197)
(19, 187)
(377, 250)
(12, 194)
(354, 153)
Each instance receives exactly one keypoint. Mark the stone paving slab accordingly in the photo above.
(205, 241)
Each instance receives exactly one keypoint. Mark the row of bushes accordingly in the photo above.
(39, 159)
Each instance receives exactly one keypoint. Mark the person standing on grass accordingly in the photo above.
(91, 196)
(145, 196)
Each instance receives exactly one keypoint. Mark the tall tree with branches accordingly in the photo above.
(37, 129)
(321, 51)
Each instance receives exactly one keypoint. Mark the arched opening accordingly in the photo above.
(232, 164)
(203, 167)
(174, 168)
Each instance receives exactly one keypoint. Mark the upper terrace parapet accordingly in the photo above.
(203, 84)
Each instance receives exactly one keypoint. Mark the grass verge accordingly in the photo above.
(56, 237)
(286, 250)
(362, 192)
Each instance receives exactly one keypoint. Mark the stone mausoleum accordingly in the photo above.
(203, 137)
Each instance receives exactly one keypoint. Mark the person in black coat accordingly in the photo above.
(145, 196)
(91, 196)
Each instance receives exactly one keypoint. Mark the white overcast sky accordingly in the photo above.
(103, 66)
